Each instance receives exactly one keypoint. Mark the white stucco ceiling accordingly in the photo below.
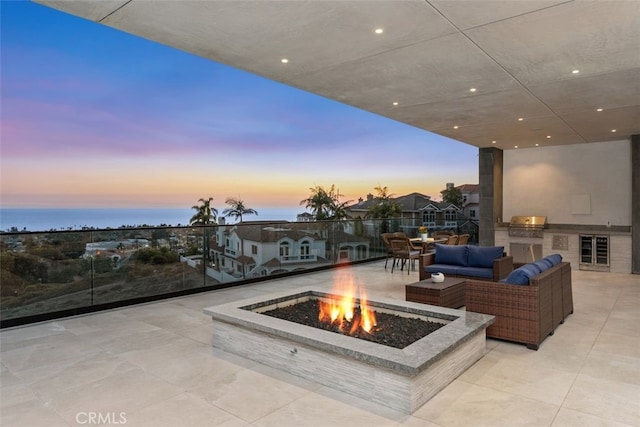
(518, 54)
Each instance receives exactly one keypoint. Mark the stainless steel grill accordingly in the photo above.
(527, 226)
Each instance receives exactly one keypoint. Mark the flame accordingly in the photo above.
(343, 310)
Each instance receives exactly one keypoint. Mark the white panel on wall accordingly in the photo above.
(581, 204)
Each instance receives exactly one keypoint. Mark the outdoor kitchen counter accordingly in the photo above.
(619, 230)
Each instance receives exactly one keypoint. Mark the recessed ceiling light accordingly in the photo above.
(395, 103)
(473, 89)
(284, 60)
(515, 146)
(493, 142)
(599, 109)
(456, 127)
(379, 30)
(575, 71)
(520, 119)
(613, 130)
(537, 145)
(548, 136)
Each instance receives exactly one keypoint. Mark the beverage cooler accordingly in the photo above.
(594, 252)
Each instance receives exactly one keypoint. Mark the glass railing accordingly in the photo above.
(60, 273)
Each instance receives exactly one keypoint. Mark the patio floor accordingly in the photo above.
(153, 365)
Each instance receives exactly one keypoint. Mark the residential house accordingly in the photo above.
(252, 249)
(416, 210)
(470, 200)
(305, 217)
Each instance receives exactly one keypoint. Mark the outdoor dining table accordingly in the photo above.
(428, 244)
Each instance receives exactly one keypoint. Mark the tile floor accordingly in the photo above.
(153, 365)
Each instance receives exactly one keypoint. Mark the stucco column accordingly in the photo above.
(490, 180)
(635, 204)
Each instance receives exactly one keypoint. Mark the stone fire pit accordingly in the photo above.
(402, 379)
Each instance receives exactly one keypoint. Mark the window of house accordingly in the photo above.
(305, 249)
(450, 216)
(472, 213)
(284, 249)
(429, 216)
(254, 250)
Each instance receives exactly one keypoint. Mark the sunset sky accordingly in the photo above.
(94, 117)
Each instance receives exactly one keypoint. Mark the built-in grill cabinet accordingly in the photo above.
(594, 252)
(523, 253)
(527, 227)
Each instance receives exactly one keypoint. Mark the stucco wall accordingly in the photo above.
(590, 186)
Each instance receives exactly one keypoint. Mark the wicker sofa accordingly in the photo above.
(466, 261)
(524, 314)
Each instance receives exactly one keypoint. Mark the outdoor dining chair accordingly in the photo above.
(404, 253)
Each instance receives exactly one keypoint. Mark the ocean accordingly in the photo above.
(47, 219)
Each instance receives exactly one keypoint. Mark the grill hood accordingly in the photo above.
(528, 221)
(527, 226)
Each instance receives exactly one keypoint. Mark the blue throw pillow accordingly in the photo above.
(451, 254)
(521, 276)
(542, 264)
(555, 259)
(546, 261)
(535, 267)
(483, 256)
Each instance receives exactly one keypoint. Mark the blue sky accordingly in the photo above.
(95, 117)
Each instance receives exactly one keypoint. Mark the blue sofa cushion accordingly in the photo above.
(481, 273)
(451, 254)
(521, 276)
(442, 268)
(483, 256)
(555, 259)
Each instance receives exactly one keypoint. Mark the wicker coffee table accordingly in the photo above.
(449, 293)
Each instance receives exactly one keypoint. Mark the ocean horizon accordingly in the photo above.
(47, 219)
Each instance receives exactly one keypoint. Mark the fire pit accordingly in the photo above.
(403, 379)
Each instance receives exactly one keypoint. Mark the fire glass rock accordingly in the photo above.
(391, 330)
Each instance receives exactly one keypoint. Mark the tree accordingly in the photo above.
(384, 207)
(205, 213)
(319, 202)
(452, 195)
(237, 208)
(326, 205)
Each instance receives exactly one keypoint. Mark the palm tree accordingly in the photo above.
(319, 202)
(325, 204)
(384, 208)
(237, 208)
(205, 213)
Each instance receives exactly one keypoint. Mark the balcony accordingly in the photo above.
(153, 364)
(308, 257)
